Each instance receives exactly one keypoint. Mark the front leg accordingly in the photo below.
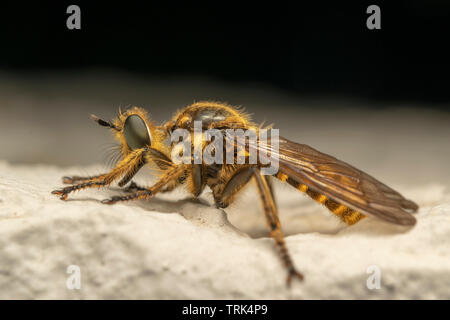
(131, 163)
(169, 177)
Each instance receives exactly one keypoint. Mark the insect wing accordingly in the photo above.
(339, 181)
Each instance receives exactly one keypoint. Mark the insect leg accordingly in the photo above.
(272, 191)
(79, 179)
(133, 187)
(197, 179)
(163, 163)
(273, 222)
(130, 163)
(132, 172)
(171, 174)
(127, 178)
(224, 192)
(150, 155)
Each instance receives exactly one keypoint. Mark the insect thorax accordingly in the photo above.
(210, 114)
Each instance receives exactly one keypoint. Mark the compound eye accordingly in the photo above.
(136, 132)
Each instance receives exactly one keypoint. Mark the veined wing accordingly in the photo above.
(340, 181)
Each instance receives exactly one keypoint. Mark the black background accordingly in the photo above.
(276, 307)
(322, 49)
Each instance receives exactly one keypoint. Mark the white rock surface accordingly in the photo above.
(172, 247)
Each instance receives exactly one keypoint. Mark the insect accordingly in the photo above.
(347, 192)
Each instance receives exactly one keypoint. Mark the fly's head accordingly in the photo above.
(134, 130)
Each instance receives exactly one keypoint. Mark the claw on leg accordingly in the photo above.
(61, 193)
(131, 163)
(65, 191)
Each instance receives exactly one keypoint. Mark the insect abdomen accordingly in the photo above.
(347, 215)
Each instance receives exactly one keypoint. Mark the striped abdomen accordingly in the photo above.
(346, 214)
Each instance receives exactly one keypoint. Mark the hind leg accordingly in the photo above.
(273, 222)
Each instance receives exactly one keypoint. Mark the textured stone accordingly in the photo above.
(173, 247)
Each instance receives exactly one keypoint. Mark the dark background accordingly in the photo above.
(321, 49)
(377, 99)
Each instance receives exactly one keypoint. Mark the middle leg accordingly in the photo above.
(230, 185)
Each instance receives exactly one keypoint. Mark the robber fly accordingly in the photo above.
(347, 192)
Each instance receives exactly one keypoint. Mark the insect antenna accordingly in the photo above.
(104, 123)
